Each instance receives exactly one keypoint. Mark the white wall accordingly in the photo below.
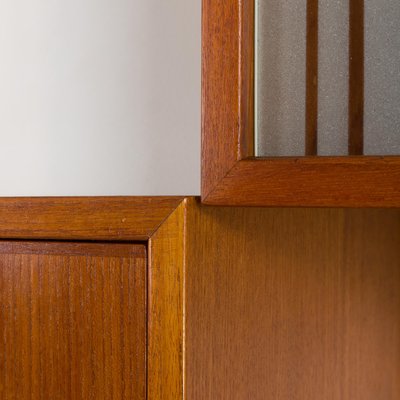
(99, 97)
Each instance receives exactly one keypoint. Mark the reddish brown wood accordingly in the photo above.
(72, 249)
(306, 299)
(84, 218)
(311, 181)
(230, 176)
(72, 321)
(226, 94)
(292, 304)
(246, 71)
(312, 79)
(356, 78)
(166, 312)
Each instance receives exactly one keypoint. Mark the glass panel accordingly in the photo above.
(281, 94)
(280, 72)
(382, 77)
(333, 77)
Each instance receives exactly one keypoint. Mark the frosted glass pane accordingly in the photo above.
(382, 77)
(280, 77)
(333, 77)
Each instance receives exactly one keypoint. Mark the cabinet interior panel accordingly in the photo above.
(295, 304)
(72, 321)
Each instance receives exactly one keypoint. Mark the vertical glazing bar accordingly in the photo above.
(312, 79)
(356, 78)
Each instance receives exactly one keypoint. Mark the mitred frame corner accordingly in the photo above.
(231, 175)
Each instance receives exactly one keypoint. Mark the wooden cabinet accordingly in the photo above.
(72, 320)
(165, 298)
(231, 174)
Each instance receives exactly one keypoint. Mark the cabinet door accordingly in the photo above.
(72, 321)
(300, 103)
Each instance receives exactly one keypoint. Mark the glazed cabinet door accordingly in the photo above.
(300, 103)
(72, 321)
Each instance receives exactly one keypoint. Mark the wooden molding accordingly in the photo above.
(227, 87)
(231, 175)
(166, 278)
(84, 218)
(310, 181)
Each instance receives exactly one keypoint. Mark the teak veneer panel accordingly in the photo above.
(72, 321)
(292, 304)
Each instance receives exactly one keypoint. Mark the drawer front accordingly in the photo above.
(72, 321)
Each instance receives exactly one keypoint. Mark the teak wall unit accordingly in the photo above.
(165, 298)
(231, 175)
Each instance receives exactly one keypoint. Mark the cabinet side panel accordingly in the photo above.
(293, 304)
(166, 309)
(72, 321)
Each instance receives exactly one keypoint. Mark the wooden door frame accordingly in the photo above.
(157, 222)
(231, 175)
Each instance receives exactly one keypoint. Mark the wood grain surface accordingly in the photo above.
(311, 127)
(246, 123)
(292, 304)
(243, 303)
(72, 321)
(166, 309)
(84, 218)
(227, 87)
(311, 181)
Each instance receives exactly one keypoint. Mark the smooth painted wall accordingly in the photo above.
(99, 97)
